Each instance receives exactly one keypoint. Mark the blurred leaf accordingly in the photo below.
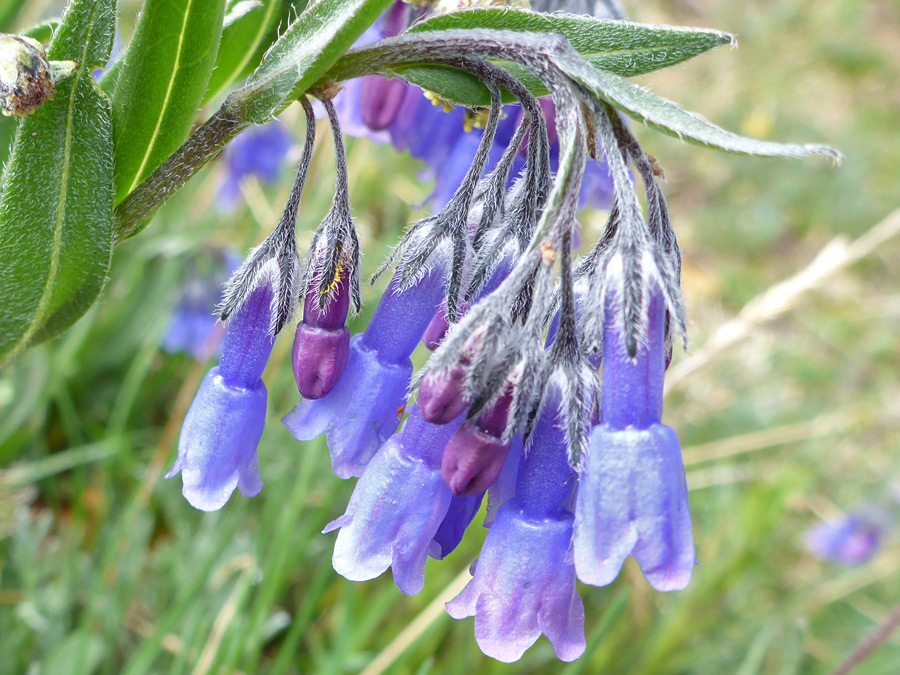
(43, 31)
(672, 119)
(8, 12)
(56, 210)
(248, 24)
(161, 84)
(309, 46)
(78, 654)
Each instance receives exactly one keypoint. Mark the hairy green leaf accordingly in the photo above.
(308, 48)
(672, 119)
(43, 31)
(621, 47)
(161, 83)
(57, 204)
(248, 25)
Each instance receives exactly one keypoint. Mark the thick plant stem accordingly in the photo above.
(135, 211)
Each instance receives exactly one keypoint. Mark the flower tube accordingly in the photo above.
(632, 498)
(222, 429)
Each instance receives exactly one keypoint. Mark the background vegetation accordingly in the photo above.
(787, 407)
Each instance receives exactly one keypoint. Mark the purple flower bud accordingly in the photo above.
(366, 405)
(380, 99)
(222, 429)
(396, 508)
(475, 455)
(472, 461)
(850, 540)
(322, 343)
(319, 358)
(524, 581)
(437, 329)
(441, 398)
(459, 516)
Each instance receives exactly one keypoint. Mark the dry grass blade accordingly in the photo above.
(835, 256)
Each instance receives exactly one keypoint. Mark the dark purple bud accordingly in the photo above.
(319, 358)
(441, 397)
(322, 343)
(472, 461)
(380, 99)
(437, 329)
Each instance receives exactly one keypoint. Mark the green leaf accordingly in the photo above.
(308, 48)
(248, 25)
(7, 134)
(57, 204)
(43, 32)
(621, 47)
(8, 12)
(161, 83)
(672, 119)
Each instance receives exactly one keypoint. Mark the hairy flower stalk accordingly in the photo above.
(276, 260)
(449, 226)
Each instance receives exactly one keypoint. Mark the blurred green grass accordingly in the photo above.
(105, 568)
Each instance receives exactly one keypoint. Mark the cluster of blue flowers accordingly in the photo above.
(578, 471)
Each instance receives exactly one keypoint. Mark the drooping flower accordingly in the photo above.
(850, 540)
(365, 406)
(633, 498)
(396, 509)
(222, 429)
(524, 580)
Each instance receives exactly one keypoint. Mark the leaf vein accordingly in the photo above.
(165, 103)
